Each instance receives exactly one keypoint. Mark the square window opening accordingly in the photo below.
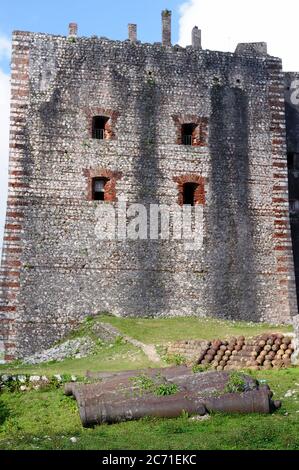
(99, 124)
(99, 189)
(188, 133)
(189, 190)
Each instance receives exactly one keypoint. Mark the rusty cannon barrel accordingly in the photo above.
(203, 382)
(107, 408)
(211, 382)
(121, 386)
(254, 401)
(70, 388)
(127, 396)
(100, 410)
(167, 372)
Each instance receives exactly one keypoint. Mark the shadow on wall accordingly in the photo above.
(148, 294)
(232, 281)
(292, 124)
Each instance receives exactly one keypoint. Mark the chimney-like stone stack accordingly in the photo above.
(166, 28)
(73, 29)
(196, 38)
(132, 32)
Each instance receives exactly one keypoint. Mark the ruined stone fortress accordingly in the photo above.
(95, 121)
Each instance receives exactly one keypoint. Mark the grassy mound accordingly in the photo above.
(46, 419)
(118, 355)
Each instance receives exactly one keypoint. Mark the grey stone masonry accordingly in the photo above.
(257, 48)
(132, 30)
(166, 28)
(196, 38)
(55, 271)
(73, 29)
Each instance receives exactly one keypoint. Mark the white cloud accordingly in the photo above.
(224, 23)
(5, 48)
(4, 138)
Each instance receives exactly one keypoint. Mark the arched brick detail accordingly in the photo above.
(200, 135)
(110, 126)
(110, 187)
(200, 197)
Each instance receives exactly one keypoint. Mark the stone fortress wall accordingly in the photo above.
(55, 271)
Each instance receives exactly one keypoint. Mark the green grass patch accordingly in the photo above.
(120, 355)
(114, 357)
(236, 383)
(200, 368)
(166, 389)
(146, 384)
(163, 330)
(48, 419)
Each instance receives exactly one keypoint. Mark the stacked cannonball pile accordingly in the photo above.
(188, 349)
(219, 353)
(272, 351)
(264, 352)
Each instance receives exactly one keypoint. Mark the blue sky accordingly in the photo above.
(94, 17)
(224, 24)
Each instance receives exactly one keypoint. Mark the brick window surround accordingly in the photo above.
(111, 116)
(199, 194)
(111, 178)
(200, 132)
